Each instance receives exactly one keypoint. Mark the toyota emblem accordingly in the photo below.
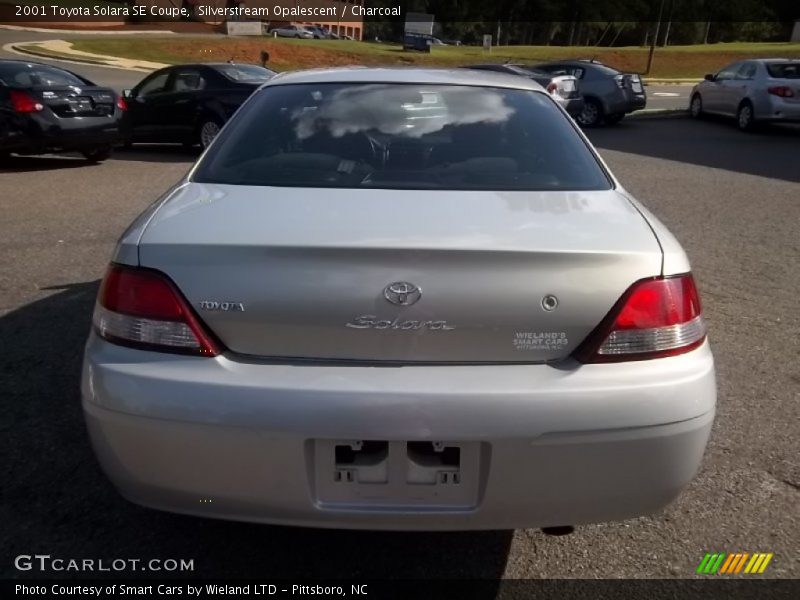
(402, 293)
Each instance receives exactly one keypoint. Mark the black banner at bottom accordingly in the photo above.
(464, 589)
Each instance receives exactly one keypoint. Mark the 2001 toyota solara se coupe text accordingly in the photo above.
(399, 299)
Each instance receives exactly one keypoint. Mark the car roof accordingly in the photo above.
(212, 65)
(406, 75)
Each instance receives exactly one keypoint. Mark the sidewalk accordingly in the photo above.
(62, 50)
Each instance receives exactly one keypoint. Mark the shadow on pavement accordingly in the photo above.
(56, 501)
(48, 162)
(769, 152)
(160, 153)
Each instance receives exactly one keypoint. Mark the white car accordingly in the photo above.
(399, 299)
(293, 31)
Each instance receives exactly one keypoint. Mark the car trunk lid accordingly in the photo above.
(402, 276)
(73, 101)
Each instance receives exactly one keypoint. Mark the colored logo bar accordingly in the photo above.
(734, 563)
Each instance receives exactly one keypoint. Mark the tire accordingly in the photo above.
(208, 130)
(96, 155)
(592, 113)
(614, 119)
(745, 119)
(696, 107)
(297, 36)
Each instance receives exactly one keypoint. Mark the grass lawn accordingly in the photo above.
(289, 54)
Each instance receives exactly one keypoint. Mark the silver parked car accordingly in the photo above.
(754, 91)
(293, 31)
(399, 299)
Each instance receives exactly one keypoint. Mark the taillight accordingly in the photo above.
(143, 308)
(121, 104)
(654, 318)
(552, 87)
(784, 91)
(23, 102)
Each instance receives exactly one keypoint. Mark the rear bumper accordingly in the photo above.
(46, 133)
(556, 446)
(626, 103)
(778, 110)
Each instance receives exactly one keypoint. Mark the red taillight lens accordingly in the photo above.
(784, 91)
(552, 87)
(23, 102)
(141, 307)
(121, 104)
(654, 318)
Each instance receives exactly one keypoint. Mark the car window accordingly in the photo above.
(28, 75)
(575, 71)
(155, 85)
(605, 70)
(188, 80)
(402, 136)
(746, 71)
(728, 72)
(784, 70)
(250, 73)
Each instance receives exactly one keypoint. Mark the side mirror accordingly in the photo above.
(710, 77)
(127, 93)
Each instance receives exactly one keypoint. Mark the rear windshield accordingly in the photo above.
(402, 136)
(784, 70)
(246, 72)
(35, 75)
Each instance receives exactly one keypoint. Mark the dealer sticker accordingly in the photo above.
(540, 340)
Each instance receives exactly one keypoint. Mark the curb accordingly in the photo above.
(45, 54)
(659, 113)
(19, 48)
(669, 81)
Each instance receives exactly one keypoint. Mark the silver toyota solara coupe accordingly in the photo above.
(399, 299)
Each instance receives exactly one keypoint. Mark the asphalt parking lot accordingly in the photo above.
(732, 199)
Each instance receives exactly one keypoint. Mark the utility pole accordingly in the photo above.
(654, 39)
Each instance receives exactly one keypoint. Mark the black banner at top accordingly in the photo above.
(397, 11)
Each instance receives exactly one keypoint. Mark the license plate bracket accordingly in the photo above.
(397, 474)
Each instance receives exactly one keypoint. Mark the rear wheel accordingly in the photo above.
(744, 117)
(592, 113)
(696, 107)
(96, 155)
(208, 130)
